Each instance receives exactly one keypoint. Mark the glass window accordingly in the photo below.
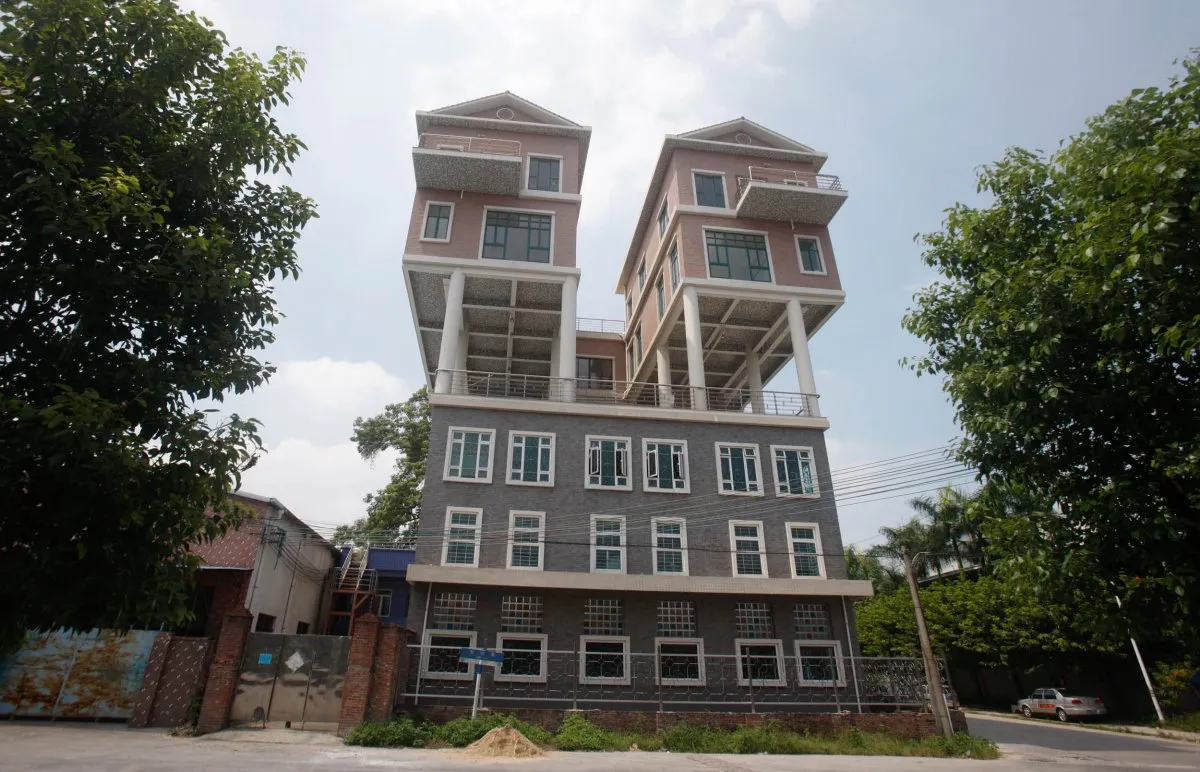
(760, 663)
(453, 611)
(525, 538)
(710, 189)
(680, 663)
(660, 296)
(608, 544)
(603, 617)
(812, 621)
(470, 456)
(676, 619)
(543, 173)
(670, 546)
(739, 469)
(441, 655)
(437, 222)
(666, 465)
(663, 218)
(642, 274)
(793, 471)
(810, 255)
(521, 614)
(384, 603)
(605, 660)
(804, 544)
(524, 657)
(628, 307)
(741, 256)
(608, 463)
(637, 346)
(820, 664)
(531, 458)
(461, 544)
(748, 553)
(630, 366)
(594, 372)
(673, 259)
(517, 236)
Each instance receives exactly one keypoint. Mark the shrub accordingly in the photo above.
(404, 733)
(461, 732)
(1171, 681)
(579, 734)
(687, 738)
(965, 746)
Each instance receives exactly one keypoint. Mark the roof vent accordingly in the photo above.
(742, 138)
(505, 114)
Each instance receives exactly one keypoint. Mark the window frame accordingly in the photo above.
(529, 168)
(427, 648)
(792, 549)
(780, 663)
(624, 680)
(779, 484)
(660, 295)
(517, 210)
(513, 514)
(587, 442)
(514, 433)
(797, 238)
(839, 664)
(450, 511)
(499, 676)
(660, 681)
(664, 218)
(641, 274)
(766, 236)
(683, 544)
(579, 382)
(762, 549)
(639, 354)
(449, 225)
(687, 476)
(696, 188)
(447, 477)
(388, 596)
(673, 266)
(758, 471)
(623, 549)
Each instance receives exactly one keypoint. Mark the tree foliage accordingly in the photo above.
(138, 256)
(1066, 324)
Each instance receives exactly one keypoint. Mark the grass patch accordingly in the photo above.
(1185, 722)
(404, 733)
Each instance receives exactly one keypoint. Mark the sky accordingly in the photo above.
(907, 98)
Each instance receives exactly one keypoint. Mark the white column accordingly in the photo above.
(566, 339)
(666, 395)
(695, 347)
(804, 371)
(452, 325)
(460, 360)
(553, 388)
(754, 380)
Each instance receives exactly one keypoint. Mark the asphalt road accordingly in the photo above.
(1047, 740)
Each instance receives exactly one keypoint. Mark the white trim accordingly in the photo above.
(780, 664)
(658, 679)
(837, 658)
(586, 639)
(491, 268)
(660, 294)
(545, 195)
(757, 462)
(687, 474)
(513, 514)
(812, 461)
(450, 512)
(683, 545)
(446, 477)
(426, 648)
(508, 466)
(390, 597)
(449, 225)
(761, 290)
(796, 237)
(792, 549)
(623, 549)
(587, 442)
(551, 156)
(523, 679)
(743, 123)
(766, 236)
(483, 231)
(762, 549)
(707, 211)
(724, 190)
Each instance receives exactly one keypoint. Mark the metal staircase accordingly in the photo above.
(353, 592)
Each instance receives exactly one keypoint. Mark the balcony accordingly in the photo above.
(788, 195)
(608, 326)
(472, 164)
(466, 383)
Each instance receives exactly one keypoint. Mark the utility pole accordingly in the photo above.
(1145, 676)
(937, 700)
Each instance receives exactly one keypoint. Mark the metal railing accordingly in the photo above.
(470, 144)
(625, 393)
(788, 177)
(675, 681)
(583, 324)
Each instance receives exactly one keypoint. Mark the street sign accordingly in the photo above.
(481, 655)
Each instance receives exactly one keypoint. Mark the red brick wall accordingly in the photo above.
(223, 672)
(356, 691)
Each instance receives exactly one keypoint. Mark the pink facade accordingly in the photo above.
(684, 162)
(606, 348)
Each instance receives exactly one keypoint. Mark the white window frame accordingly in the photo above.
(683, 545)
(687, 477)
(762, 548)
(796, 238)
(514, 433)
(838, 663)
(724, 188)
(553, 231)
(388, 596)
(779, 484)
(586, 639)
(780, 664)
(674, 268)
(660, 295)
(541, 542)
(561, 168)
(450, 511)
(612, 383)
(522, 679)
(426, 643)
(757, 462)
(658, 679)
(587, 452)
(449, 226)
(641, 274)
(738, 282)
(663, 218)
(623, 549)
(447, 477)
(792, 549)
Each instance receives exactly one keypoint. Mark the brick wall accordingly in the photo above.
(378, 663)
(223, 671)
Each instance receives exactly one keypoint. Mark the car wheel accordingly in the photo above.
(1062, 715)
(1026, 712)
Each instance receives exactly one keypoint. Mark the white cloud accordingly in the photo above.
(328, 384)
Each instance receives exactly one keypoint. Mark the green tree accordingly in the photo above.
(139, 252)
(1066, 325)
(884, 577)
(392, 511)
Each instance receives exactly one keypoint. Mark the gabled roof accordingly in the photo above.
(505, 99)
(746, 126)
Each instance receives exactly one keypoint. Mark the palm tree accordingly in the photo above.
(951, 526)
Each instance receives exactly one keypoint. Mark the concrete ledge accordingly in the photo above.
(1091, 726)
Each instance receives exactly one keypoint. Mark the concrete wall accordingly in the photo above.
(286, 587)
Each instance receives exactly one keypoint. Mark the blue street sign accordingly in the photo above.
(481, 655)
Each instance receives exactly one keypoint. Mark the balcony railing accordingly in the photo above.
(616, 326)
(788, 177)
(625, 393)
(461, 144)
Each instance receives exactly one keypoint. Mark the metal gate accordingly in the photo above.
(291, 678)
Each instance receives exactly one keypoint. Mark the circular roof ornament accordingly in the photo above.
(505, 114)
(742, 138)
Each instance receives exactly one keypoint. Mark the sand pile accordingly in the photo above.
(504, 741)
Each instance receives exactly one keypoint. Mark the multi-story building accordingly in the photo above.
(620, 505)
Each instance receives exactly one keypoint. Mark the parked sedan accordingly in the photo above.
(1061, 703)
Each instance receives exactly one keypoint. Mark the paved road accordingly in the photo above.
(1045, 740)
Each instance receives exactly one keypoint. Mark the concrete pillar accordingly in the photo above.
(460, 359)
(452, 326)
(566, 339)
(695, 347)
(804, 371)
(553, 388)
(754, 380)
(666, 395)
